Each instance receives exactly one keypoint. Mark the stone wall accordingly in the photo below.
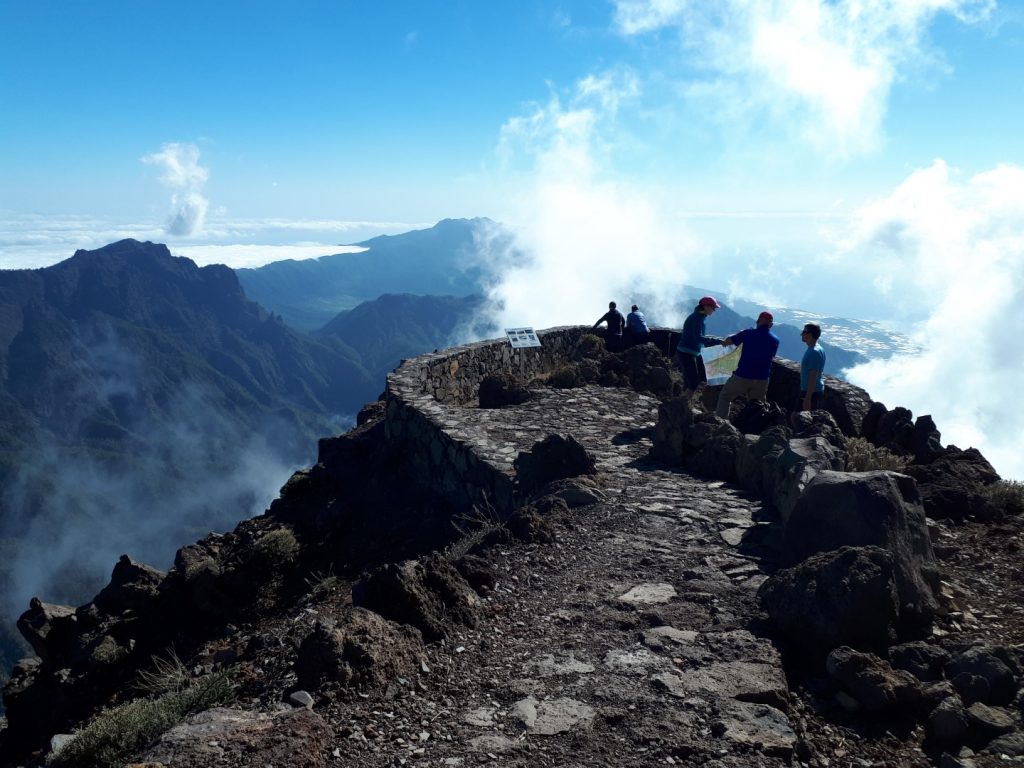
(428, 397)
(431, 399)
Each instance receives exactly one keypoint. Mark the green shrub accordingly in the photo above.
(590, 345)
(115, 735)
(322, 583)
(1007, 496)
(278, 547)
(862, 456)
(564, 377)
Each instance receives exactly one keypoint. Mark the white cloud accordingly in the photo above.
(821, 69)
(952, 252)
(587, 237)
(31, 241)
(256, 255)
(183, 174)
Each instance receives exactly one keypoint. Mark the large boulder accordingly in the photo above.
(861, 509)
(554, 458)
(996, 665)
(802, 459)
(362, 650)
(875, 685)
(50, 630)
(844, 597)
(757, 415)
(757, 459)
(499, 389)
(132, 586)
(952, 485)
(429, 594)
(847, 403)
(297, 738)
(674, 419)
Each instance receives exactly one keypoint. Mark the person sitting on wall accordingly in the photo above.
(758, 346)
(637, 331)
(616, 323)
(692, 342)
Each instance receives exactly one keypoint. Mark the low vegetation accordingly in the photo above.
(564, 377)
(277, 548)
(1007, 496)
(863, 456)
(116, 734)
(475, 528)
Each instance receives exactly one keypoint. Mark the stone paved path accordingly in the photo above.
(629, 641)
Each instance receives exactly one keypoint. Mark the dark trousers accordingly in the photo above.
(815, 401)
(692, 368)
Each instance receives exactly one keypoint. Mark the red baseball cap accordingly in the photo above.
(709, 301)
(766, 316)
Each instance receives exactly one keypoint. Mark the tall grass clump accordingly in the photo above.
(1006, 496)
(863, 456)
(115, 735)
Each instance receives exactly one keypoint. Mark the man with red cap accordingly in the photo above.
(692, 343)
(750, 379)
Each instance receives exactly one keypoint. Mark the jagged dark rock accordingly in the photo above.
(924, 661)
(361, 650)
(554, 458)
(132, 586)
(875, 685)
(845, 597)
(881, 509)
(757, 415)
(952, 484)
(428, 594)
(498, 390)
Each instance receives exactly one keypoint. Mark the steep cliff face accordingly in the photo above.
(414, 582)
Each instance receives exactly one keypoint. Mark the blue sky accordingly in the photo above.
(858, 158)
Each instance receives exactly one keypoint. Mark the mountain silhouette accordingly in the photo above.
(443, 260)
(130, 380)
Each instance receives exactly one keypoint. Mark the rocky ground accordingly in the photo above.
(624, 631)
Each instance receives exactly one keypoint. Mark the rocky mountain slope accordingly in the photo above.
(443, 260)
(594, 573)
(128, 378)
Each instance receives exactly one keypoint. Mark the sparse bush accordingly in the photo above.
(169, 675)
(277, 548)
(322, 583)
(863, 456)
(1007, 496)
(114, 735)
(589, 345)
(564, 377)
(474, 528)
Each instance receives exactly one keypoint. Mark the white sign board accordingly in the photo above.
(522, 337)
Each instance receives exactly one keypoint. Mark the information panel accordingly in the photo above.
(522, 337)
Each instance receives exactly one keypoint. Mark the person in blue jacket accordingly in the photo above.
(750, 379)
(637, 331)
(692, 342)
(812, 370)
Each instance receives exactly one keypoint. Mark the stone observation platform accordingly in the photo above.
(660, 640)
(626, 613)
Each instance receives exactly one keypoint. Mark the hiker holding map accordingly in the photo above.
(692, 343)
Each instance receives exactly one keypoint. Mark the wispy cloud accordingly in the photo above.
(821, 69)
(185, 177)
(951, 250)
(29, 241)
(583, 237)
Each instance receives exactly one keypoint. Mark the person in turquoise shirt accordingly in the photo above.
(812, 370)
